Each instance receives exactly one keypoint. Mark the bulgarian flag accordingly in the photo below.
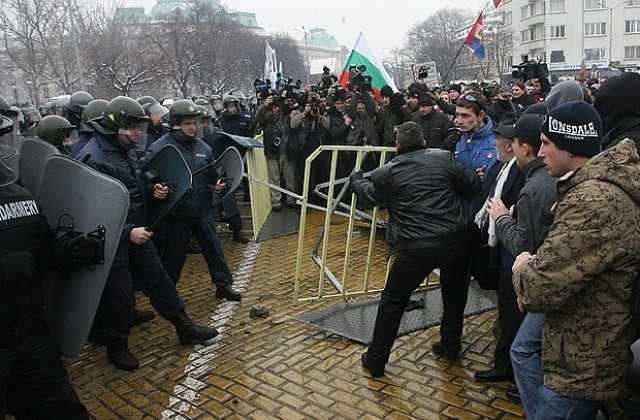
(362, 54)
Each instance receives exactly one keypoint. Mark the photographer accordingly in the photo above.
(533, 70)
(392, 113)
(307, 134)
(275, 129)
(500, 104)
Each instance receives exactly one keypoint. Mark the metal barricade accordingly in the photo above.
(354, 265)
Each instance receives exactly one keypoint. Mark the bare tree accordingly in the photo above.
(437, 38)
(118, 53)
(28, 28)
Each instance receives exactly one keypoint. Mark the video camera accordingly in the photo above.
(262, 86)
(358, 80)
(530, 69)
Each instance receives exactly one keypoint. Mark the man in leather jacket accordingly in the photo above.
(428, 228)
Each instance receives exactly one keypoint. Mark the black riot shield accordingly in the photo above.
(83, 200)
(221, 141)
(167, 167)
(33, 156)
(229, 167)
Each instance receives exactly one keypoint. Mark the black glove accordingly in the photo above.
(81, 249)
(17, 267)
(356, 176)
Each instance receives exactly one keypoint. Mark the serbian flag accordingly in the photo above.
(496, 3)
(363, 54)
(474, 40)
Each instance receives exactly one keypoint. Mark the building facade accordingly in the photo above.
(563, 33)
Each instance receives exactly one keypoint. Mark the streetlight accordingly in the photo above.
(611, 25)
(306, 55)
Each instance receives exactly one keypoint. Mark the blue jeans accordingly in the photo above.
(551, 406)
(526, 359)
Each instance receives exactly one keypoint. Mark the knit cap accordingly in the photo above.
(575, 127)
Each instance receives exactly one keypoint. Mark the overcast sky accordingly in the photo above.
(384, 22)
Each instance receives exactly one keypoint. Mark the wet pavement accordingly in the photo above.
(277, 367)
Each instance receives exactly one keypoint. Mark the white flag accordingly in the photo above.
(270, 64)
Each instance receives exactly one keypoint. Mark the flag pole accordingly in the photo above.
(446, 76)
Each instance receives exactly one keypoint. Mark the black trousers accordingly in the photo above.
(175, 246)
(410, 268)
(139, 265)
(33, 380)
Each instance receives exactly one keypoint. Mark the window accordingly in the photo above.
(595, 54)
(632, 52)
(557, 57)
(594, 29)
(633, 3)
(531, 9)
(507, 18)
(558, 5)
(632, 26)
(593, 4)
(557, 31)
(533, 33)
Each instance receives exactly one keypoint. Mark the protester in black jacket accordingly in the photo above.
(428, 228)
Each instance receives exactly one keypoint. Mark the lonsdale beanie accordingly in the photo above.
(575, 127)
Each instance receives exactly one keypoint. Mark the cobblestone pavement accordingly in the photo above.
(277, 367)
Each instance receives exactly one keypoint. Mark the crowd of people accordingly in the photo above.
(532, 191)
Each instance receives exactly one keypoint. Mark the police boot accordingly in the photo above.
(119, 355)
(190, 333)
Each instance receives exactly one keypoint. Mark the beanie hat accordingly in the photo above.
(455, 87)
(386, 91)
(575, 127)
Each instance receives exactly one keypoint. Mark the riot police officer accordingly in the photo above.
(59, 132)
(234, 121)
(33, 380)
(195, 212)
(122, 129)
(92, 112)
(73, 109)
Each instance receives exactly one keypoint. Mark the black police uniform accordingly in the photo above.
(193, 213)
(33, 380)
(132, 264)
(239, 125)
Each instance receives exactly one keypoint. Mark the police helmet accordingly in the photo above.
(205, 113)
(5, 108)
(58, 131)
(79, 101)
(8, 153)
(94, 110)
(182, 108)
(143, 100)
(229, 99)
(201, 101)
(121, 112)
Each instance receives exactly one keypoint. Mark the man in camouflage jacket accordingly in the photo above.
(582, 275)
